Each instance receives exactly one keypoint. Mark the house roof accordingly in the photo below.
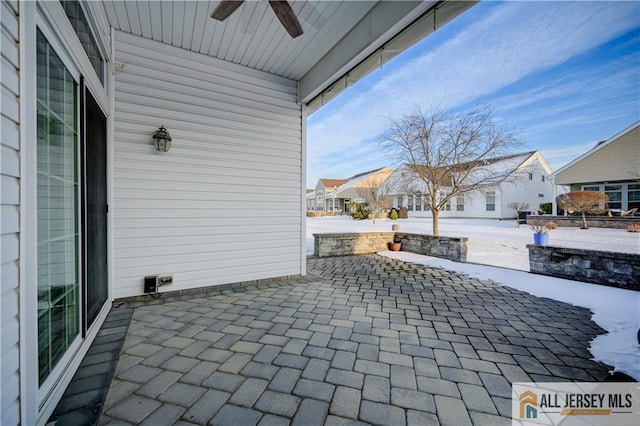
(342, 41)
(363, 180)
(493, 171)
(498, 166)
(330, 183)
(341, 185)
(598, 147)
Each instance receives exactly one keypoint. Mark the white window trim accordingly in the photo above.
(624, 201)
(492, 195)
(38, 402)
(58, 23)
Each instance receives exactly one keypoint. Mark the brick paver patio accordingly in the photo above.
(364, 339)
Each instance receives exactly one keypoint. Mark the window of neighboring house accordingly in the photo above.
(490, 201)
(615, 196)
(89, 44)
(633, 196)
(346, 204)
(540, 195)
(542, 178)
(530, 176)
(447, 206)
(410, 202)
(591, 188)
(418, 202)
(460, 203)
(400, 201)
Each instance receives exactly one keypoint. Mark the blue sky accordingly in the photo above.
(565, 75)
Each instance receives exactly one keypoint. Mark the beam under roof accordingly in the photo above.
(387, 30)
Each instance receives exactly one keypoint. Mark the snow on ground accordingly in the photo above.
(501, 243)
(491, 242)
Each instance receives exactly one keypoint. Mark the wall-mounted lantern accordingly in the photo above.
(162, 139)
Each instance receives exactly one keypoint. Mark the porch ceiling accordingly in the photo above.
(337, 34)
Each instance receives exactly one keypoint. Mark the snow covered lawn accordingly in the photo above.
(501, 243)
(491, 242)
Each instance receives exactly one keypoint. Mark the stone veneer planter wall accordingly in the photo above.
(341, 244)
(592, 221)
(599, 267)
(452, 248)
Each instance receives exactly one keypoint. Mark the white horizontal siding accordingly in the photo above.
(9, 214)
(223, 205)
(617, 161)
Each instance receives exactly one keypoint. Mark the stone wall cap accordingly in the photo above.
(352, 234)
(573, 250)
(431, 236)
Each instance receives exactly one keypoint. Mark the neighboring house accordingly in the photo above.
(89, 208)
(334, 195)
(522, 178)
(324, 195)
(612, 167)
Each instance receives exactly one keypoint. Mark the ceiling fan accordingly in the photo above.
(281, 8)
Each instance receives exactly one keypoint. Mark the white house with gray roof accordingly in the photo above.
(522, 177)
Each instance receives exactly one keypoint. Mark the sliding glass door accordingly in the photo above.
(57, 209)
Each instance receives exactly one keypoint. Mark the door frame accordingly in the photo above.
(37, 403)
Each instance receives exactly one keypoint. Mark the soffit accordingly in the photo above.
(342, 41)
(251, 36)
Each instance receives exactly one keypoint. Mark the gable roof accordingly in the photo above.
(330, 183)
(361, 178)
(598, 148)
(341, 185)
(493, 171)
(498, 167)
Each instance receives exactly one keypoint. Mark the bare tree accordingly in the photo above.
(518, 207)
(375, 192)
(582, 202)
(448, 155)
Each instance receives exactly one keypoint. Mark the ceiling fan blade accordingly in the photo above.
(225, 8)
(287, 17)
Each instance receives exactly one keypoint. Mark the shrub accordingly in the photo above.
(551, 225)
(546, 208)
(359, 210)
(394, 214)
(633, 227)
(539, 229)
(404, 213)
(582, 202)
